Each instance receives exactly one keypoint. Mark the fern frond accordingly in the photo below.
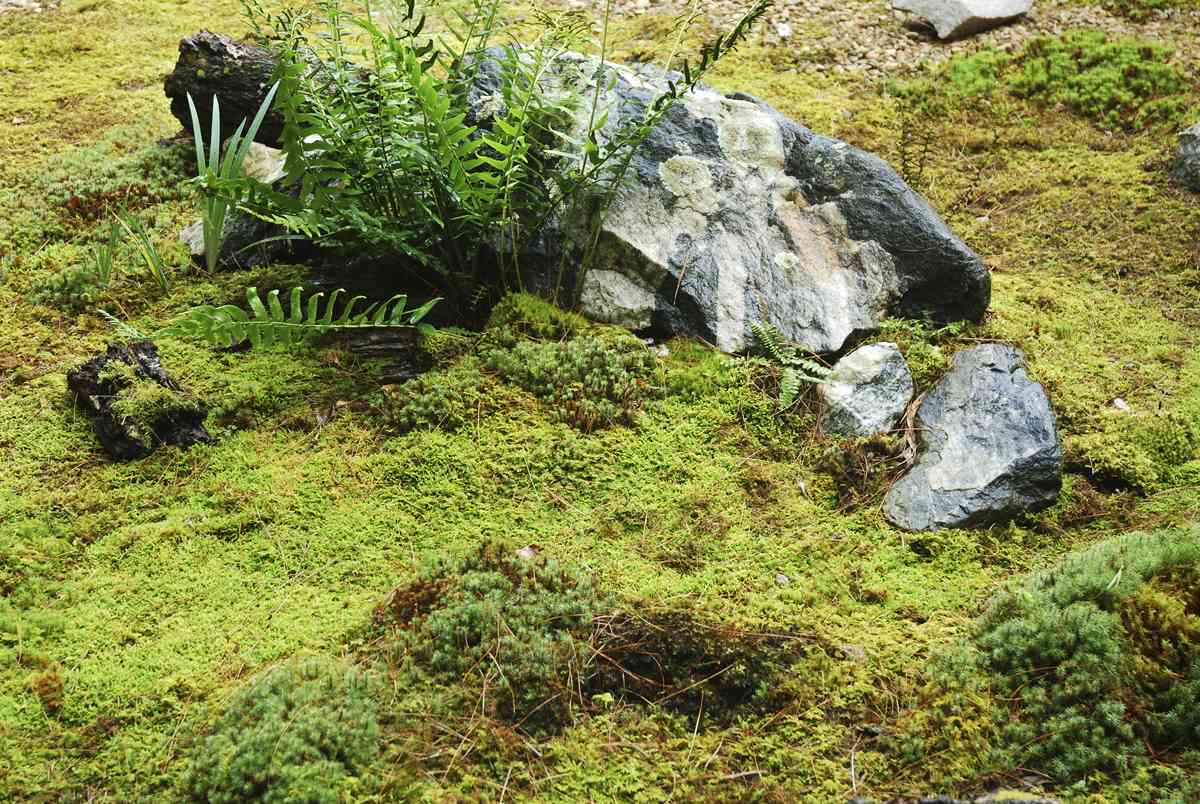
(267, 324)
(797, 369)
(789, 388)
(771, 340)
(124, 330)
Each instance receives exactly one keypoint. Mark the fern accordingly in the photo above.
(797, 370)
(266, 324)
(382, 155)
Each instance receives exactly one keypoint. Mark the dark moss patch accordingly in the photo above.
(689, 663)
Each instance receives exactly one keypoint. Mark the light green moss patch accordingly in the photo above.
(151, 591)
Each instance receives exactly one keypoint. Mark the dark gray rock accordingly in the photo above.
(239, 74)
(732, 214)
(955, 19)
(249, 242)
(989, 447)
(134, 404)
(1187, 162)
(867, 391)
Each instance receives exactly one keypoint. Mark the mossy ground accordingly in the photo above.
(138, 597)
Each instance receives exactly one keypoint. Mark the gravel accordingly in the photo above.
(20, 5)
(868, 37)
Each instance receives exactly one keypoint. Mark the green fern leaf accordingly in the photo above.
(267, 324)
(789, 388)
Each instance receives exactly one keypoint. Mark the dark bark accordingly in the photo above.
(239, 74)
(98, 385)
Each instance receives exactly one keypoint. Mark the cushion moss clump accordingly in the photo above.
(523, 316)
(1100, 658)
(1116, 82)
(535, 643)
(514, 624)
(302, 731)
(1141, 10)
(587, 382)
(445, 400)
(1144, 452)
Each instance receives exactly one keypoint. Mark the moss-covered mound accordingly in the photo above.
(1099, 659)
(302, 731)
(540, 645)
(1121, 83)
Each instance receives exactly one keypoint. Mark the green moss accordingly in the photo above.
(520, 315)
(448, 399)
(1117, 82)
(586, 382)
(1146, 452)
(299, 732)
(142, 404)
(513, 626)
(1085, 649)
(1143, 10)
(446, 346)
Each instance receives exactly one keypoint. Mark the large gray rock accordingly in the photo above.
(989, 448)
(866, 392)
(1187, 163)
(732, 214)
(954, 19)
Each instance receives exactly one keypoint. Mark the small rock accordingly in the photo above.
(954, 19)
(783, 30)
(134, 403)
(989, 447)
(1121, 405)
(1187, 163)
(527, 553)
(782, 580)
(867, 391)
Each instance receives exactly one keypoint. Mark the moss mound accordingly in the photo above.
(587, 376)
(1099, 659)
(302, 731)
(1144, 452)
(512, 625)
(540, 644)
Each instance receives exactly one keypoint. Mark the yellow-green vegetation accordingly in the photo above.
(141, 403)
(1119, 82)
(159, 619)
(1142, 10)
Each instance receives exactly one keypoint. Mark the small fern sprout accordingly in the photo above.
(797, 370)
